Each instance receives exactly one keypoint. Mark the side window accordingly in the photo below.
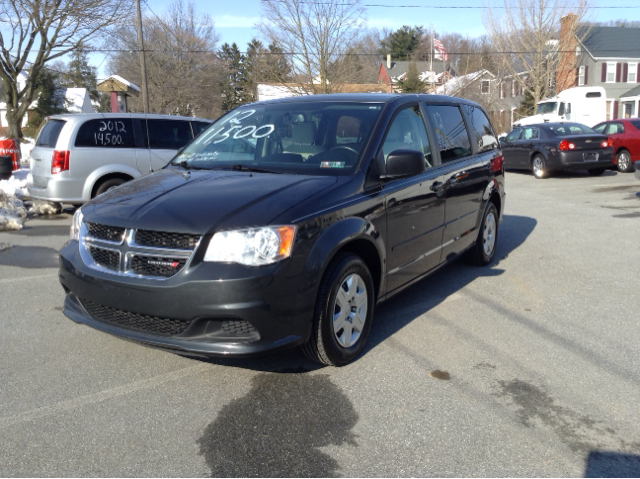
(530, 134)
(600, 128)
(407, 132)
(481, 129)
(451, 134)
(347, 130)
(615, 128)
(106, 133)
(514, 135)
(199, 127)
(168, 134)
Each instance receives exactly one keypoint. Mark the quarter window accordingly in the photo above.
(407, 132)
(168, 134)
(106, 133)
(481, 129)
(451, 133)
(48, 136)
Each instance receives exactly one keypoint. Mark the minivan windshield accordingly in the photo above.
(546, 107)
(317, 138)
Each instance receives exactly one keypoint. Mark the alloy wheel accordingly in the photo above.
(624, 160)
(538, 167)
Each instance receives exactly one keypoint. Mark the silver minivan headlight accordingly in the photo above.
(75, 225)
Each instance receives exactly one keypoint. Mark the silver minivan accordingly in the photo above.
(79, 156)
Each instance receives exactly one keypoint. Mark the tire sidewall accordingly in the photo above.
(338, 354)
(109, 184)
(629, 167)
(485, 258)
(544, 167)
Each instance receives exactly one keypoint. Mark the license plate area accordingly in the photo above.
(590, 156)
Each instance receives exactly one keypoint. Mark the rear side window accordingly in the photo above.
(168, 134)
(106, 133)
(615, 128)
(48, 136)
(199, 127)
(481, 129)
(451, 133)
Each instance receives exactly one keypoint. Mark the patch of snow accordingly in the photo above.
(25, 150)
(126, 82)
(78, 101)
(13, 211)
(16, 185)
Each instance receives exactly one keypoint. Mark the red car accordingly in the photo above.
(626, 141)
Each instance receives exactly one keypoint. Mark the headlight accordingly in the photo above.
(251, 247)
(75, 225)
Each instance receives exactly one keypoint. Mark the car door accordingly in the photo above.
(508, 146)
(165, 138)
(414, 205)
(466, 173)
(526, 143)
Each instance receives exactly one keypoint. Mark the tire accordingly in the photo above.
(539, 167)
(484, 249)
(346, 288)
(625, 165)
(596, 171)
(107, 185)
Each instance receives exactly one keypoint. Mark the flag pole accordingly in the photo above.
(431, 59)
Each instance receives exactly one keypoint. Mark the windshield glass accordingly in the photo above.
(317, 138)
(546, 107)
(569, 129)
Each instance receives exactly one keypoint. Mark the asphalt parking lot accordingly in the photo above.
(529, 367)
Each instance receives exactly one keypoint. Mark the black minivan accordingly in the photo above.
(285, 222)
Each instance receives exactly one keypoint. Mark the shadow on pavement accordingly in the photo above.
(29, 257)
(612, 464)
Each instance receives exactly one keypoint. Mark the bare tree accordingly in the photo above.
(526, 33)
(316, 35)
(182, 67)
(34, 32)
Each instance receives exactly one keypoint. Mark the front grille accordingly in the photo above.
(158, 239)
(239, 327)
(135, 321)
(104, 232)
(156, 266)
(105, 258)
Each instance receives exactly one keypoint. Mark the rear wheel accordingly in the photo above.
(343, 313)
(484, 249)
(624, 161)
(596, 171)
(538, 166)
(108, 184)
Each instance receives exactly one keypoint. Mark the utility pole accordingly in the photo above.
(143, 62)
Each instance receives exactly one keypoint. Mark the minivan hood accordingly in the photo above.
(201, 202)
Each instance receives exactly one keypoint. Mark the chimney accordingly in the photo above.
(388, 60)
(567, 61)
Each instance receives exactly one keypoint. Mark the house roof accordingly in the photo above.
(611, 42)
(633, 92)
(457, 83)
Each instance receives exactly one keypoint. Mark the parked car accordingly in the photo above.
(285, 222)
(548, 147)
(625, 135)
(79, 156)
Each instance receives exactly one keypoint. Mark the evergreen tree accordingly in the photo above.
(412, 82)
(50, 100)
(80, 74)
(401, 43)
(234, 85)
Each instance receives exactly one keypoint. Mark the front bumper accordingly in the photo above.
(260, 304)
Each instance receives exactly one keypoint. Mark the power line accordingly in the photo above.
(437, 7)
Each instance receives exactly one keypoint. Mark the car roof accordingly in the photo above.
(149, 116)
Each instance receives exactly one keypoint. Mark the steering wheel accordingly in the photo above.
(344, 147)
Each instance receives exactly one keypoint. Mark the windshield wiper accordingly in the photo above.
(239, 167)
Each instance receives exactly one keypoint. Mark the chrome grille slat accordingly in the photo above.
(116, 250)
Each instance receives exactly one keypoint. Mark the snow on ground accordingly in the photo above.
(13, 212)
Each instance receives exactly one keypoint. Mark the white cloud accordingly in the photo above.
(234, 21)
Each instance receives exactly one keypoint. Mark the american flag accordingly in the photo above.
(440, 51)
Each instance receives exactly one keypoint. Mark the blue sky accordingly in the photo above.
(234, 19)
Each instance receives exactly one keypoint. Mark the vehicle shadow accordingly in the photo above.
(565, 174)
(397, 312)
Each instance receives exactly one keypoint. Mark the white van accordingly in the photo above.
(79, 156)
(583, 104)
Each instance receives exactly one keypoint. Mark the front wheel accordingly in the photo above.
(108, 184)
(343, 313)
(484, 249)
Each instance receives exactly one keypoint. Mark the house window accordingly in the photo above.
(578, 51)
(628, 110)
(611, 72)
(514, 88)
(632, 73)
(484, 87)
(503, 90)
(581, 76)
(609, 111)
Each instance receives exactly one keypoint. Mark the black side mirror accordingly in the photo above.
(404, 163)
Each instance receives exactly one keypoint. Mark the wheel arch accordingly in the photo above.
(107, 177)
